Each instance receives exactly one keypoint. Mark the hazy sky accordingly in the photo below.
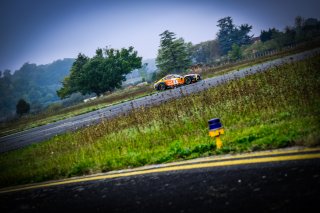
(41, 31)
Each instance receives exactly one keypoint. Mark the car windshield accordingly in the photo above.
(172, 76)
(168, 77)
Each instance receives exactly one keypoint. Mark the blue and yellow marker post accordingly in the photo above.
(215, 130)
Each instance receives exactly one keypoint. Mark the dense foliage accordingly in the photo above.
(267, 35)
(303, 30)
(230, 34)
(103, 72)
(205, 52)
(173, 55)
(37, 84)
(235, 53)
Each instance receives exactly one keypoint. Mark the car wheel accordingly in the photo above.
(161, 87)
(187, 80)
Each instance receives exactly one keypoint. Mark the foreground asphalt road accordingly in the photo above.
(38, 134)
(273, 181)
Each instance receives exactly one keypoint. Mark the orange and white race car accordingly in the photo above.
(173, 80)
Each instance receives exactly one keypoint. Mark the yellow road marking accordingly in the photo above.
(171, 168)
(247, 155)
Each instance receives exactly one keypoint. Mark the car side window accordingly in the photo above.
(168, 77)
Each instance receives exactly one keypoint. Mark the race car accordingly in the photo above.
(173, 80)
(193, 77)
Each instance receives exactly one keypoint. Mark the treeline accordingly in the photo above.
(234, 43)
(34, 84)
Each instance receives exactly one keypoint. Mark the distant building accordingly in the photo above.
(89, 99)
(255, 39)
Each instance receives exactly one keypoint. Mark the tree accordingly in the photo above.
(6, 80)
(310, 22)
(268, 35)
(241, 36)
(225, 34)
(229, 34)
(104, 72)
(298, 22)
(311, 29)
(173, 55)
(205, 52)
(7, 74)
(22, 107)
(235, 53)
(70, 83)
(289, 36)
(143, 71)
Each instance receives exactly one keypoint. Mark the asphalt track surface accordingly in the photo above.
(42, 133)
(276, 181)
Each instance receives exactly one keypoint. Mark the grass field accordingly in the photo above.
(274, 109)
